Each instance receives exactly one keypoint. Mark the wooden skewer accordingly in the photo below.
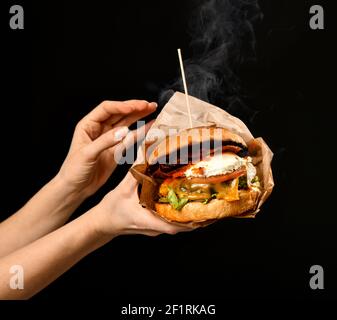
(185, 87)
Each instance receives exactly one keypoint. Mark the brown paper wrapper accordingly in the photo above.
(174, 115)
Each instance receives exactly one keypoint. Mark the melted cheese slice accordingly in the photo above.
(228, 191)
(232, 192)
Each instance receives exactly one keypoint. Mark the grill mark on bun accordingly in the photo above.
(196, 142)
(185, 154)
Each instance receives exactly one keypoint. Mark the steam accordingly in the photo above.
(222, 38)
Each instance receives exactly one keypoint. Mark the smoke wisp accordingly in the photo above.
(222, 39)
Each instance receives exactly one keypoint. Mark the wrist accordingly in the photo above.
(69, 193)
(102, 223)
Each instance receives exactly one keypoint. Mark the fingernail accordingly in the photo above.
(121, 133)
(154, 104)
(151, 139)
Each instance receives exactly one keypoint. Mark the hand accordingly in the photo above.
(90, 160)
(120, 213)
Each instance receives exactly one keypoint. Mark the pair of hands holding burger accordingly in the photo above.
(38, 239)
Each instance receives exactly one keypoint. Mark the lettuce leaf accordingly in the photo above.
(174, 201)
(209, 199)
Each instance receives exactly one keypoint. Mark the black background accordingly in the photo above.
(73, 55)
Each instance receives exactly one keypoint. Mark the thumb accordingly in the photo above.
(129, 181)
(106, 141)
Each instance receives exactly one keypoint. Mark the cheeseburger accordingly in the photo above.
(202, 174)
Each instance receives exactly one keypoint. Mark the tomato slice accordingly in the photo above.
(220, 178)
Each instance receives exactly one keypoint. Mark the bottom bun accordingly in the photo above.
(215, 209)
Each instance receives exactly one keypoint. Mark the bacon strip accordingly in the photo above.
(229, 148)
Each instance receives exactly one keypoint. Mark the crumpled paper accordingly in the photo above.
(174, 115)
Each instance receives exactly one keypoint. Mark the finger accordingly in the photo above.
(168, 227)
(135, 116)
(136, 135)
(149, 233)
(152, 234)
(129, 182)
(171, 228)
(155, 223)
(105, 141)
(133, 136)
(108, 109)
(138, 107)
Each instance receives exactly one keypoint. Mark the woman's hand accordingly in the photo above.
(48, 257)
(97, 139)
(120, 213)
(97, 136)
